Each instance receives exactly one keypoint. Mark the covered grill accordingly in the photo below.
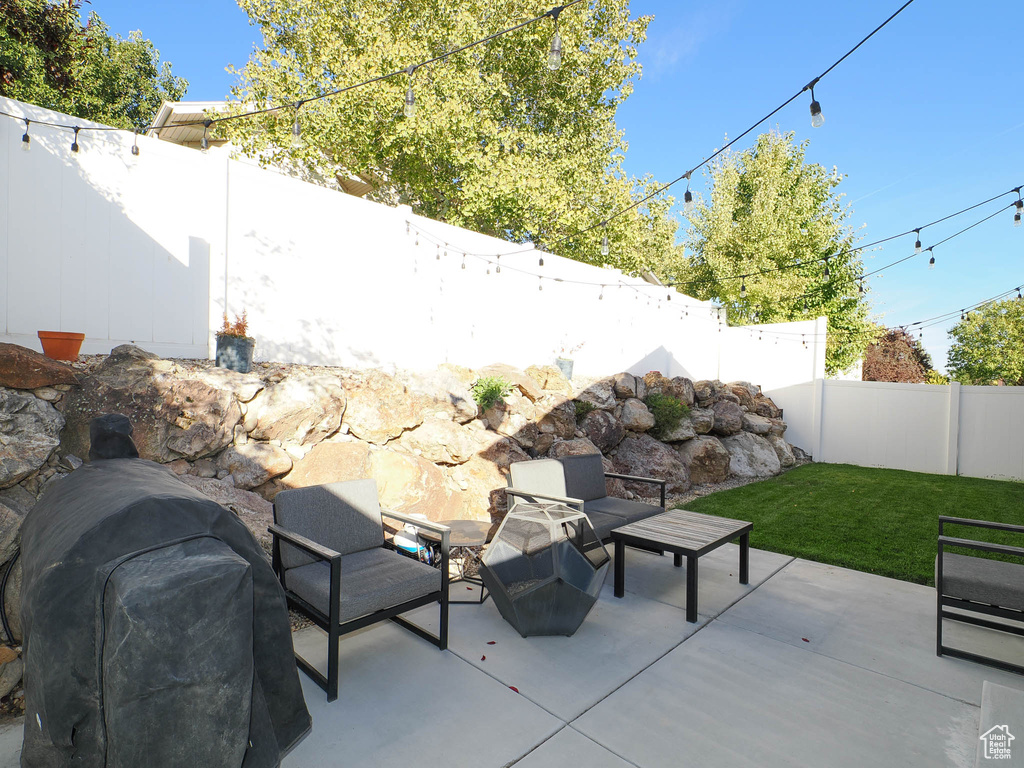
(155, 630)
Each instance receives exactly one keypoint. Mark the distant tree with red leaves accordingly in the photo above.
(896, 356)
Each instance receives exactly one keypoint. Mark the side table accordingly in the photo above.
(466, 540)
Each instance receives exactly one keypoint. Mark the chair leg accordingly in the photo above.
(333, 632)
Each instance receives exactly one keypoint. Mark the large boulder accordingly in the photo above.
(29, 431)
(550, 378)
(728, 418)
(579, 447)
(708, 392)
(445, 393)
(602, 429)
(23, 368)
(745, 392)
(703, 420)
(764, 406)
(299, 409)
(252, 509)
(11, 518)
(624, 385)
(783, 450)
(759, 425)
(173, 414)
(707, 460)
(635, 416)
(380, 408)
(643, 456)
(683, 431)
(440, 441)
(244, 386)
(751, 456)
(557, 416)
(679, 387)
(329, 462)
(514, 417)
(600, 394)
(412, 485)
(252, 464)
(520, 381)
(480, 483)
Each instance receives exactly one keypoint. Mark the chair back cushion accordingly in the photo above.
(342, 516)
(538, 476)
(584, 476)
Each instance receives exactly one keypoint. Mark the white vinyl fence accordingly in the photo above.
(154, 248)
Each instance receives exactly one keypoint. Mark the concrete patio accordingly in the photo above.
(808, 665)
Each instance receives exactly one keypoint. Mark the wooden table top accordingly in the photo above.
(682, 530)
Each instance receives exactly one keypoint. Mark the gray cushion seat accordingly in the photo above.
(611, 513)
(992, 582)
(371, 580)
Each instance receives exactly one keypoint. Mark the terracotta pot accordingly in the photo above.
(59, 345)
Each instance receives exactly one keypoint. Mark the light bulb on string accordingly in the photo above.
(410, 98)
(540, 283)
(540, 260)
(1019, 297)
(135, 145)
(296, 140)
(26, 140)
(827, 274)
(438, 252)
(860, 286)
(817, 119)
(555, 51)
(962, 316)
(605, 248)
(600, 296)
(204, 144)
(74, 141)
(917, 242)
(463, 261)
(688, 199)
(1020, 210)
(743, 287)
(931, 261)
(497, 266)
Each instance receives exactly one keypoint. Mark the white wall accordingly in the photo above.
(153, 249)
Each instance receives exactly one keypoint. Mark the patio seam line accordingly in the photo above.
(806, 648)
(602, 746)
(536, 746)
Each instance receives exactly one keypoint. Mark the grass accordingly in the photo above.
(882, 521)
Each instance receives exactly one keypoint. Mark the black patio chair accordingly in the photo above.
(977, 585)
(328, 552)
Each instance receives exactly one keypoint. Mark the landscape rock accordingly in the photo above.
(11, 518)
(253, 464)
(412, 485)
(751, 456)
(172, 415)
(635, 416)
(778, 427)
(510, 420)
(244, 386)
(519, 379)
(783, 450)
(759, 425)
(557, 416)
(679, 387)
(11, 670)
(728, 418)
(600, 394)
(252, 509)
(603, 429)
(706, 458)
(745, 392)
(624, 385)
(49, 394)
(442, 442)
(703, 420)
(445, 392)
(482, 480)
(764, 406)
(708, 392)
(329, 463)
(643, 456)
(23, 368)
(550, 378)
(30, 429)
(684, 431)
(579, 447)
(301, 409)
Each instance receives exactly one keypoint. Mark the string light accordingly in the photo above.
(26, 140)
(463, 261)
(540, 283)
(743, 287)
(860, 286)
(555, 52)
(497, 266)
(688, 198)
(204, 145)
(135, 145)
(917, 243)
(297, 142)
(1020, 209)
(817, 119)
(540, 261)
(827, 274)
(931, 261)
(410, 97)
(1019, 297)
(74, 141)
(600, 296)
(438, 256)
(605, 248)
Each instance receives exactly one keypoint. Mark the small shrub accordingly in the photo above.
(583, 407)
(489, 391)
(668, 411)
(238, 328)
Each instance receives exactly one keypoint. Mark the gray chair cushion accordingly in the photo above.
(984, 581)
(584, 476)
(370, 581)
(343, 516)
(539, 476)
(628, 511)
(604, 523)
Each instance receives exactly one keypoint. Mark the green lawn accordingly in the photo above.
(882, 521)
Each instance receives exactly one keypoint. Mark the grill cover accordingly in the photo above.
(155, 630)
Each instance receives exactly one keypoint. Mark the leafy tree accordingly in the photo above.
(897, 356)
(48, 57)
(767, 211)
(498, 143)
(988, 345)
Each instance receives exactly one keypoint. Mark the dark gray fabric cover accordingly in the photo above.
(144, 640)
(628, 511)
(984, 581)
(604, 524)
(584, 476)
(342, 516)
(370, 581)
(540, 476)
(110, 437)
(83, 528)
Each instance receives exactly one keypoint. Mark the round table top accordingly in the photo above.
(465, 533)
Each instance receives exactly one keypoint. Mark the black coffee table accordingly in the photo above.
(682, 533)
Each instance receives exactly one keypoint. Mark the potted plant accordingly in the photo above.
(61, 345)
(234, 345)
(563, 357)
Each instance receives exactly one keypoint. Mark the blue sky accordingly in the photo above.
(925, 119)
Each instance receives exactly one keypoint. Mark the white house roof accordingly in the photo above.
(181, 122)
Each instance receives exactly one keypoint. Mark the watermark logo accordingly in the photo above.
(997, 742)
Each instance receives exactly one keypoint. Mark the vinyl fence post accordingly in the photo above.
(953, 437)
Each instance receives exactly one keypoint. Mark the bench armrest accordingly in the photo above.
(634, 479)
(980, 546)
(441, 530)
(568, 501)
(943, 519)
(307, 545)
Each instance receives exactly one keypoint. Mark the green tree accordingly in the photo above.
(768, 210)
(988, 345)
(498, 143)
(48, 57)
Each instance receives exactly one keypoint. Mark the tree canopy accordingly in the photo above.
(758, 244)
(897, 356)
(988, 345)
(499, 143)
(48, 57)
